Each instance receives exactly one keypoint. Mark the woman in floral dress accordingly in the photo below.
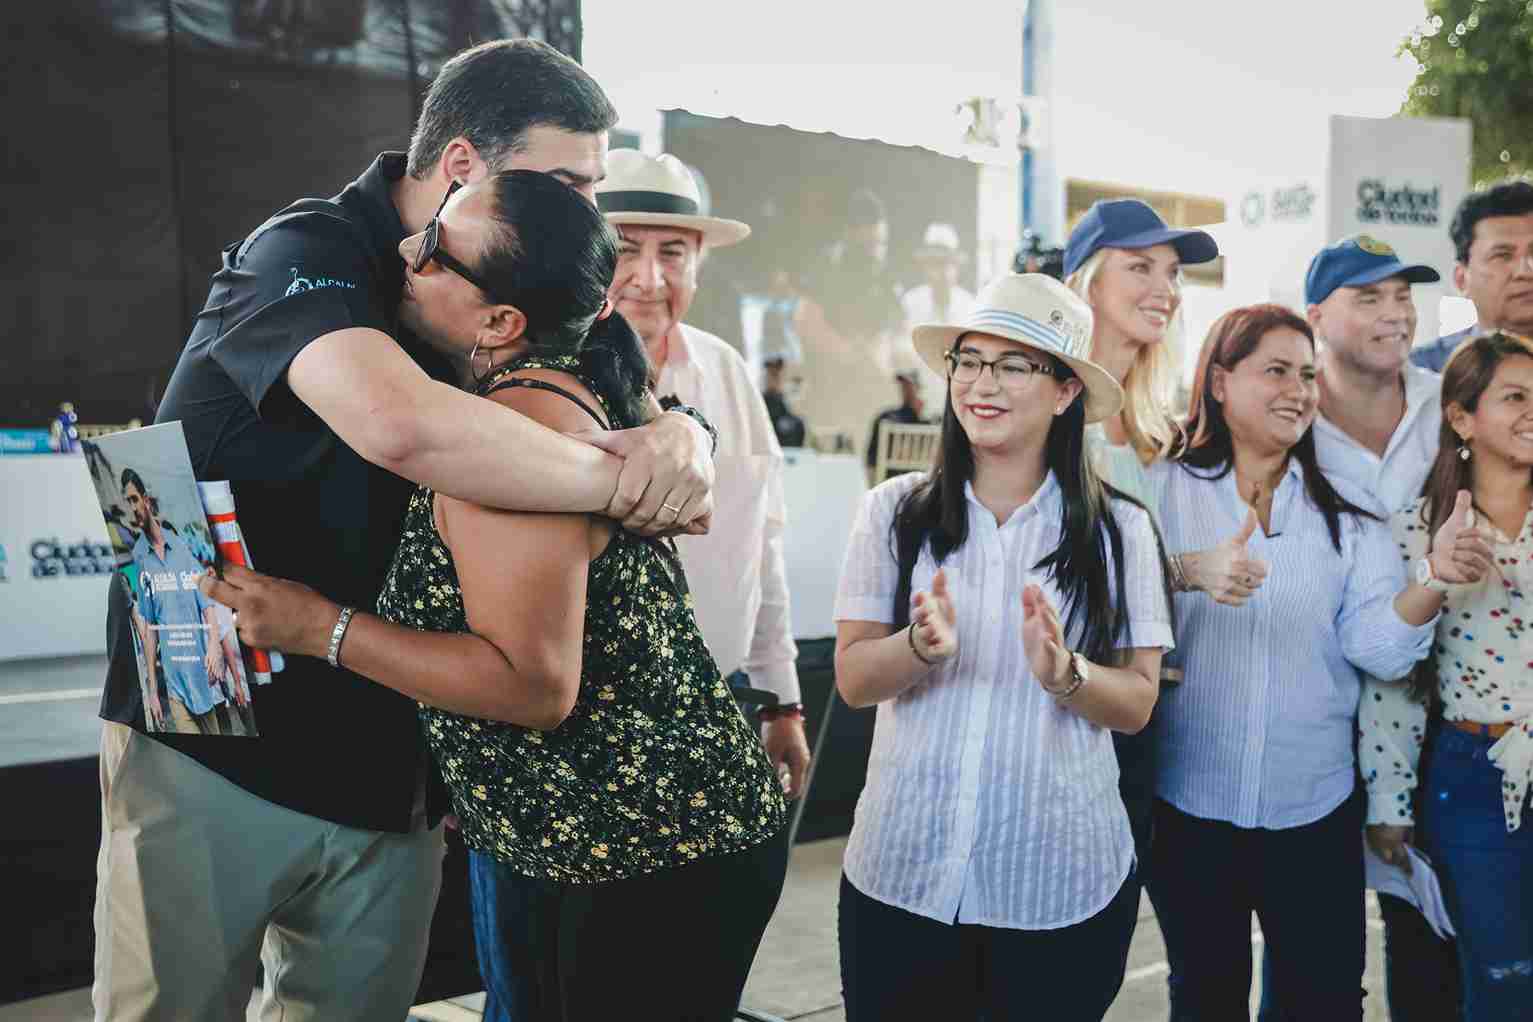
(626, 829)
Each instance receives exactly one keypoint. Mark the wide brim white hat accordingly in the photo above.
(659, 191)
(1040, 313)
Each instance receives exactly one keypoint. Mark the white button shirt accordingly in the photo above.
(1260, 733)
(736, 573)
(986, 802)
(1395, 479)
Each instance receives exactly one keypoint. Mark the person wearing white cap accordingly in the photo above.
(940, 299)
(991, 854)
(737, 572)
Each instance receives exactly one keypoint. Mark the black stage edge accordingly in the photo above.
(53, 810)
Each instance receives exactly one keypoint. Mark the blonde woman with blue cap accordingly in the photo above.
(1125, 262)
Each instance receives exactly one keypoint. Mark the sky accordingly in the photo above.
(1187, 95)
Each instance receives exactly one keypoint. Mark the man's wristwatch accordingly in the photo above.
(1425, 576)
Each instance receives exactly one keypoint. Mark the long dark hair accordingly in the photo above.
(937, 510)
(1466, 377)
(1208, 449)
(553, 256)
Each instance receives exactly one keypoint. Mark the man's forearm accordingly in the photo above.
(365, 388)
(771, 659)
(479, 451)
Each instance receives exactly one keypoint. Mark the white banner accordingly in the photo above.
(1400, 179)
(55, 561)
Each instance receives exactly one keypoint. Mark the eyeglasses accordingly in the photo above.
(431, 248)
(1010, 371)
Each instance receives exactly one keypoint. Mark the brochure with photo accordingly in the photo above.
(192, 673)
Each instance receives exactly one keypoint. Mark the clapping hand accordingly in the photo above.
(1460, 555)
(933, 622)
(1043, 639)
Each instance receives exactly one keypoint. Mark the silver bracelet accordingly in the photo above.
(338, 634)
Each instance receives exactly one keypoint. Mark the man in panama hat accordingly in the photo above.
(742, 598)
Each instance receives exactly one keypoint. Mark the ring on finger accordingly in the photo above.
(672, 508)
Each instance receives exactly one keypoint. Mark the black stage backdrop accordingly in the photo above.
(144, 135)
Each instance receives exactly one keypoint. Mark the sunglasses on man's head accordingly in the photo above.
(431, 248)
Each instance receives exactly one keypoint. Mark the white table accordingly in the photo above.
(54, 558)
(823, 492)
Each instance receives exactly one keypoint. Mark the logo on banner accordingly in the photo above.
(1378, 202)
(1253, 209)
(1293, 204)
(50, 559)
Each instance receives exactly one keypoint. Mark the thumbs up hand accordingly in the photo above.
(1228, 572)
(1460, 554)
(934, 622)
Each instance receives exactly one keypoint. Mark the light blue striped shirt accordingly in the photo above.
(986, 802)
(1260, 734)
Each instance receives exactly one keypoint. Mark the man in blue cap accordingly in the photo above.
(1379, 415)
(1378, 426)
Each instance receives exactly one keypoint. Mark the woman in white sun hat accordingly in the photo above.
(991, 854)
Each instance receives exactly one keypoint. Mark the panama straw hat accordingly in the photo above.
(660, 191)
(1036, 311)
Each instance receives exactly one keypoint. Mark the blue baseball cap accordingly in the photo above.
(1356, 262)
(1130, 223)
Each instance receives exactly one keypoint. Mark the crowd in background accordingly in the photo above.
(1112, 648)
(1339, 661)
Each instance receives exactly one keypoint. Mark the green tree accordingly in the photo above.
(1475, 60)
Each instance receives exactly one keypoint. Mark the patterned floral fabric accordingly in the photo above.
(1484, 659)
(653, 769)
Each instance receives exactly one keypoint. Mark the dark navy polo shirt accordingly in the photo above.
(332, 744)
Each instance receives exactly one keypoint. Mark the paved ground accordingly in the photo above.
(48, 708)
(796, 974)
(50, 712)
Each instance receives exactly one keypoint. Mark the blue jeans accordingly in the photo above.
(898, 966)
(1486, 873)
(1305, 885)
(673, 944)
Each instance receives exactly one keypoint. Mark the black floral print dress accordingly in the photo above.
(654, 768)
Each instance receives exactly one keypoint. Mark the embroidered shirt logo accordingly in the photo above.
(301, 284)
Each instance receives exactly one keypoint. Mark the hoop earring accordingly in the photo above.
(488, 364)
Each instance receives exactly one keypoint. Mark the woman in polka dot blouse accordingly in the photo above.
(1474, 695)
